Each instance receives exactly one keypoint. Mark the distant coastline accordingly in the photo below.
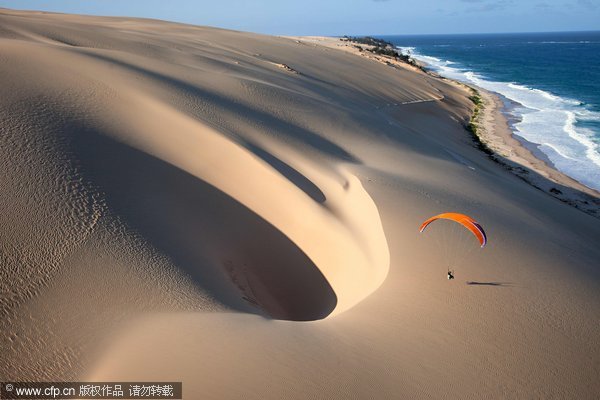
(493, 133)
(496, 136)
(554, 108)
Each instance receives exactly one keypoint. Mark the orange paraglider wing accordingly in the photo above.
(462, 219)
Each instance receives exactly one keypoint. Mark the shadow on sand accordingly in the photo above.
(473, 283)
(302, 136)
(226, 248)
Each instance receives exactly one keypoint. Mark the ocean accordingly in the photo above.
(550, 83)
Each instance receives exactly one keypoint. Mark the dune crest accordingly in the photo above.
(340, 233)
(332, 252)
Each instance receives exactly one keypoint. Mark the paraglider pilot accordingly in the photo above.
(465, 221)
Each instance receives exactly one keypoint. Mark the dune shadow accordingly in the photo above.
(489, 283)
(225, 248)
(301, 134)
(291, 174)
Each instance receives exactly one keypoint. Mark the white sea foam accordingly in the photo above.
(548, 121)
(572, 42)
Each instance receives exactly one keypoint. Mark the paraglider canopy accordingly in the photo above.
(462, 219)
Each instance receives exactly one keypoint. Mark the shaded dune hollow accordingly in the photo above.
(205, 152)
(210, 235)
(287, 245)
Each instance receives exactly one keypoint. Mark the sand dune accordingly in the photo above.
(240, 212)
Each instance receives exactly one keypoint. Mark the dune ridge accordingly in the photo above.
(345, 246)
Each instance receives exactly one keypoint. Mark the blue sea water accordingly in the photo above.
(552, 82)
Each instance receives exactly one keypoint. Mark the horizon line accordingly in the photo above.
(311, 34)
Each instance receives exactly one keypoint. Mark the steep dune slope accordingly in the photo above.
(98, 90)
(104, 130)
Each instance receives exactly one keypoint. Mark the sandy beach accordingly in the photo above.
(495, 133)
(241, 212)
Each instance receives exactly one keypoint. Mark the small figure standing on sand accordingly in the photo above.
(450, 274)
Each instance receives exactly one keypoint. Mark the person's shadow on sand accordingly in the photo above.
(474, 283)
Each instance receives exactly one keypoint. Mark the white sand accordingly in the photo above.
(240, 212)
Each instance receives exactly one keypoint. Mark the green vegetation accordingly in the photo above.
(368, 40)
(380, 47)
(472, 126)
(384, 48)
(476, 99)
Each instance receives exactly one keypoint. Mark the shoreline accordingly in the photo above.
(494, 133)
